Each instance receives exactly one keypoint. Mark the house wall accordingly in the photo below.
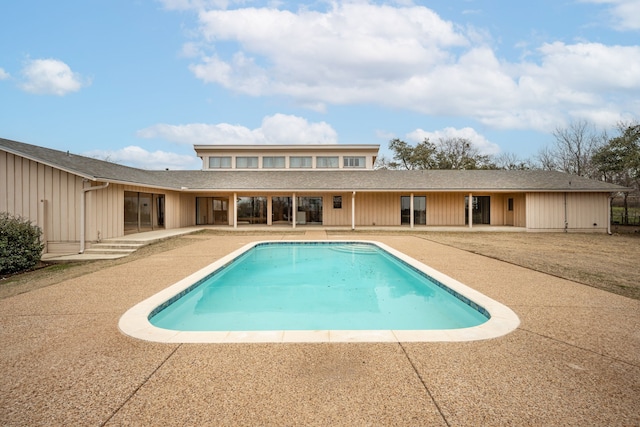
(369, 152)
(445, 209)
(48, 197)
(104, 213)
(583, 212)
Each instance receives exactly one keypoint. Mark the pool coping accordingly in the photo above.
(135, 321)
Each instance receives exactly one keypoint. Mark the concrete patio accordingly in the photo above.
(574, 359)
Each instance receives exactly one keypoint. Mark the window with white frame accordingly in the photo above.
(243, 162)
(354, 162)
(327, 161)
(273, 162)
(300, 162)
(218, 162)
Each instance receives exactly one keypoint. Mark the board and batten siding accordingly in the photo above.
(581, 211)
(48, 197)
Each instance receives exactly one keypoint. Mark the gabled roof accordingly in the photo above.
(313, 180)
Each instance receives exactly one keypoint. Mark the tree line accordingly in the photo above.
(578, 149)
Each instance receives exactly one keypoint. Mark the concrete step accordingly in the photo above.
(113, 245)
(112, 248)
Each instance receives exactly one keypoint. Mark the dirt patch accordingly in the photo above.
(606, 262)
(51, 274)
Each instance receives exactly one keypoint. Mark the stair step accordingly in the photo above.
(109, 251)
(110, 245)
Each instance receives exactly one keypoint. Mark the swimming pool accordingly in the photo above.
(317, 291)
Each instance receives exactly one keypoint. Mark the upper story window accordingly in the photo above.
(300, 162)
(273, 162)
(243, 162)
(327, 161)
(354, 162)
(219, 162)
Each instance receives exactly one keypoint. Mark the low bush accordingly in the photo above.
(20, 246)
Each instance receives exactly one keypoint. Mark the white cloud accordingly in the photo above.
(625, 14)
(50, 77)
(483, 145)
(3, 74)
(276, 129)
(409, 58)
(139, 157)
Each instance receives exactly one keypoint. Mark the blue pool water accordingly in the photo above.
(317, 286)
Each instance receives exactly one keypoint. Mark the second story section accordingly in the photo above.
(287, 157)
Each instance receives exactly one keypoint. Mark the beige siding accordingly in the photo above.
(445, 209)
(104, 213)
(376, 209)
(549, 211)
(335, 217)
(48, 197)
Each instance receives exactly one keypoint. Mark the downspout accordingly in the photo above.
(82, 209)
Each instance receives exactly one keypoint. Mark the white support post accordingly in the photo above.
(294, 210)
(411, 220)
(235, 210)
(353, 211)
(470, 209)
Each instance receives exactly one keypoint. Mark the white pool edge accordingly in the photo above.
(135, 322)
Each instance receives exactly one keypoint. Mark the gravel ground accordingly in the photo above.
(605, 262)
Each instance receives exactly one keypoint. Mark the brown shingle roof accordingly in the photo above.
(314, 180)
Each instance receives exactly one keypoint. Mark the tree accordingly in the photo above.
(574, 148)
(511, 161)
(618, 161)
(449, 153)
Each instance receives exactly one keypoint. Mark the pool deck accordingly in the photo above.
(573, 360)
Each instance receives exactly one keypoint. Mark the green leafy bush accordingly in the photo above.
(20, 247)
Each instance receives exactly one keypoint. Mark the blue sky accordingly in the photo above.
(139, 82)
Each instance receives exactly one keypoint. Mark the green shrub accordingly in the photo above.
(20, 247)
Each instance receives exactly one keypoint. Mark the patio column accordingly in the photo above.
(235, 210)
(353, 211)
(269, 210)
(411, 219)
(294, 210)
(470, 210)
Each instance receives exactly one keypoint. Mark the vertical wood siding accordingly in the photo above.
(547, 211)
(445, 209)
(47, 197)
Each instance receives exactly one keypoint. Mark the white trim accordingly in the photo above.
(135, 322)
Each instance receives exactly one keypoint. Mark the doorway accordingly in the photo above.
(212, 211)
(143, 211)
(480, 209)
(309, 210)
(419, 210)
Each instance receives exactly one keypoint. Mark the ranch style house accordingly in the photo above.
(78, 201)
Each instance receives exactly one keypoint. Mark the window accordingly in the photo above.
(510, 204)
(354, 162)
(327, 162)
(219, 162)
(337, 202)
(300, 162)
(252, 210)
(270, 162)
(246, 162)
